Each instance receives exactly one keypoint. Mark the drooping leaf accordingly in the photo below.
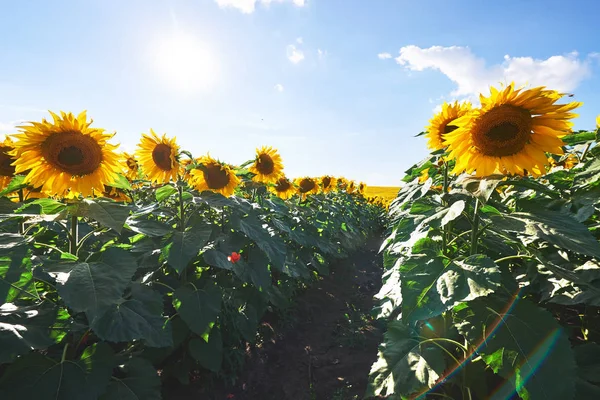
(41, 206)
(92, 287)
(184, 246)
(272, 245)
(555, 227)
(16, 183)
(198, 307)
(108, 213)
(164, 192)
(208, 354)
(469, 279)
(29, 327)
(405, 364)
(522, 343)
(454, 212)
(141, 382)
(149, 227)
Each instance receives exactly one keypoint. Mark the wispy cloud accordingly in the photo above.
(279, 87)
(384, 56)
(294, 54)
(321, 53)
(10, 127)
(249, 6)
(472, 76)
(300, 40)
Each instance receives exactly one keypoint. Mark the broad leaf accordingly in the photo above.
(149, 227)
(208, 354)
(92, 287)
(216, 258)
(454, 212)
(198, 307)
(108, 213)
(16, 279)
(405, 364)
(420, 298)
(185, 246)
(522, 343)
(99, 360)
(271, 244)
(469, 279)
(140, 382)
(164, 192)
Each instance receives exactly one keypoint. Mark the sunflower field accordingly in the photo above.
(491, 288)
(119, 271)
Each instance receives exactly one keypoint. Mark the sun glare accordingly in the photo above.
(185, 63)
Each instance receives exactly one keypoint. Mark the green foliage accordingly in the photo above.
(491, 286)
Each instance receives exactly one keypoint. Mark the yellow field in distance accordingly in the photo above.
(387, 192)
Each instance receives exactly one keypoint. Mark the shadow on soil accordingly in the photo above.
(322, 349)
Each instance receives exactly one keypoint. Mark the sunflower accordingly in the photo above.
(115, 194)
(158, 157)
(215, 176)
(342, 183)
(283, 188)
(351, 187)
(307, 186)
(66, 156)
(361, 187)
(442, 123)
(267, 166)
(598, 122)
(327, 183)
(7, 170)
(511, 132)
(131, 166)
(424, 175)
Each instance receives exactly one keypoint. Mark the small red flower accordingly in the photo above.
(234, 257)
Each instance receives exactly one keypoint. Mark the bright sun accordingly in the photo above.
(185, 63)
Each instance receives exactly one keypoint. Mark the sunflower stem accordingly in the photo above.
(445, 229)
(181, 209)
(73, 237)
(584, 153)
(474, 231)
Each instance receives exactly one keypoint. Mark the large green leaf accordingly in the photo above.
(37, 377)
(92, 287)
(522, 343)
(41, 206)
(16, 279)
(33, 327)
(107, 213)
(164, 192)
(184, 246)
(198, 307)
(99, 361)
(405, 363)
(149, 227)
(16, 183)
(267, 241)
(10, 241)
(136, 318)
(140, 382)
(216, 258)
(469, 279)
(246, 321)
(256, 270)
(558, 228)
(208, 354)
(420, 298)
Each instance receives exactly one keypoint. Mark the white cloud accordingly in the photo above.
(384, 56)
(279, 87)
(472, 76)
(294, 55)
(321, 53)
(300, 40)
(248, 6)
(10, 127)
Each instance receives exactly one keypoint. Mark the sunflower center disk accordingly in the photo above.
(306, 185)
(132, 164)
(326, 182)
(72, 152)
(282, 185)
(215, 177)
(162, 156)
(502, 131)
(265, 164)
(450, 128)
(5, 160)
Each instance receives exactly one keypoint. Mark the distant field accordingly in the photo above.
(388, 192)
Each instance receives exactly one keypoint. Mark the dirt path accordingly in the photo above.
(327, 349)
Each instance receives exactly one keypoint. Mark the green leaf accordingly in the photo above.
(405, 364)
(208, 354)
(165, 192)
(16, 279)
(108, 213)
(25, 328)
(16, 183)
(137, 318)
(121, 183)
(99, 361)
(10, 241)
(522, 343)
(92, 287)
(246, 321)
(555, 227)
(185, 246)
(454, 212)
(140, 382)
(256, 270)
(216, 258)
(420, 298)
(149, 227)
(198, 307)
(587, 357)
(579, 138)
(469, 279)
(481, 188)
(487, 209)
(37, 377)
(272, 245)
(43, 206)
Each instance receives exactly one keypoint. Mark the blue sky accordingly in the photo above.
(338, 86)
